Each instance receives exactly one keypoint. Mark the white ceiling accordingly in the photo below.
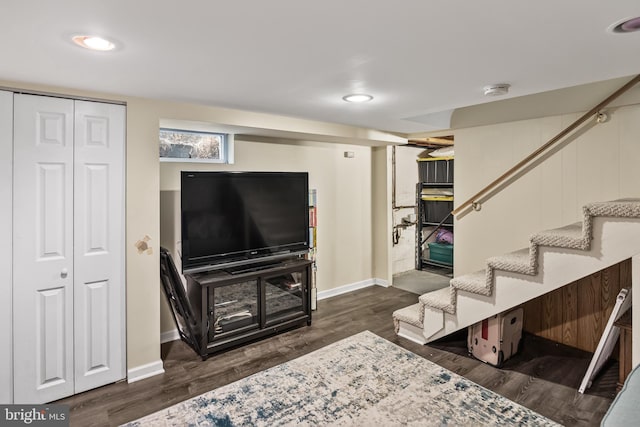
(420, 59)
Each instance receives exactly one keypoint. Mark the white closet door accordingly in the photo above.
(6, 179)
(43, 249)
(99, 290)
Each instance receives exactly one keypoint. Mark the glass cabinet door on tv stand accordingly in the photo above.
(234, 309)
(283, 296)
(237, 308)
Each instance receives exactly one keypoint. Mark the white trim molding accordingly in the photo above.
(145, 371)
(169, 336)
(381, 282)
(352, 287)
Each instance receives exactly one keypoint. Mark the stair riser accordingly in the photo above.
(411, 333)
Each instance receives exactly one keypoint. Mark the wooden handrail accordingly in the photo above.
(551, 142)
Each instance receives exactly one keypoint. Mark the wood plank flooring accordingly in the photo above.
(544, 377)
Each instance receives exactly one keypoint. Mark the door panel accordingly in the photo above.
(50, 324)
(6, 230)
(50, 211)
(96, 339)
(99, 244)
(97, 202)
(42, 249)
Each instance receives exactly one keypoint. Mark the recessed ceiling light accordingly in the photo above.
(357, 97)
(627, 26)
(497, 89)
(94, 43)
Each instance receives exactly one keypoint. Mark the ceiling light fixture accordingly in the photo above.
(94, 43)
(497, 89)
(627, 26)
(357, 97)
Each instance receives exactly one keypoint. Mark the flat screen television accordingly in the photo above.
(238, 218)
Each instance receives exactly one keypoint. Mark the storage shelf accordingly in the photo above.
(437, 185)
(437, 198)
(435, 224)
(433, 208)
(436, 170)
(434, 159)
(437, 263)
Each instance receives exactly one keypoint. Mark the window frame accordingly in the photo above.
(225, 150)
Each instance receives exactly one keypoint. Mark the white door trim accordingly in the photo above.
(6, 230)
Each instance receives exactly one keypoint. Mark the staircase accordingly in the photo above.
(608, 233)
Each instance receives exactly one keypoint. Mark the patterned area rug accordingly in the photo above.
(363, 380)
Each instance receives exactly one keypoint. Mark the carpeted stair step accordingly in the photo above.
(570, 237)
(523, 261)
(413, 315)
(621, 208)
(442, 299)
(477, 283)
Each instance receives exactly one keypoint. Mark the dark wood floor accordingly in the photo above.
(544, 377)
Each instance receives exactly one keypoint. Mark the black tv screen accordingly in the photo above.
(232, 217)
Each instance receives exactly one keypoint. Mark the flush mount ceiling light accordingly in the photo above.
(93, 43)
(626, 26)
(497, 89)
(357, 97)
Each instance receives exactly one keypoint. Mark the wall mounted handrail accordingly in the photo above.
(473, 200)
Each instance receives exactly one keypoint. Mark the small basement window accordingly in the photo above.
(179, 145)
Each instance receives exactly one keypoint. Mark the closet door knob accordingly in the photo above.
(64, 273)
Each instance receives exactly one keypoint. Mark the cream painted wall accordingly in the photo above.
(381, 213)
(142, 219)
(344, 191)
(601, 164)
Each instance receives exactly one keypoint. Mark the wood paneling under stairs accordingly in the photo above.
(576, 314)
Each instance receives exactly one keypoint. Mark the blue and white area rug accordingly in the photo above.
(363, 380)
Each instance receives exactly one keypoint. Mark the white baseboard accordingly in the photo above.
(168, 336)
(381, 282)
(352, 287)
(145, 371)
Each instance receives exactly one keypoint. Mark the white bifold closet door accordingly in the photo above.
(68, 254)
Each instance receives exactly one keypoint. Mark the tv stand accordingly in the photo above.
(236, 307)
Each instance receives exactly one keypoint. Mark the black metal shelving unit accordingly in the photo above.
(434, 199)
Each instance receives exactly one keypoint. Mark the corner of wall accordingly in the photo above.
(145, 371)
